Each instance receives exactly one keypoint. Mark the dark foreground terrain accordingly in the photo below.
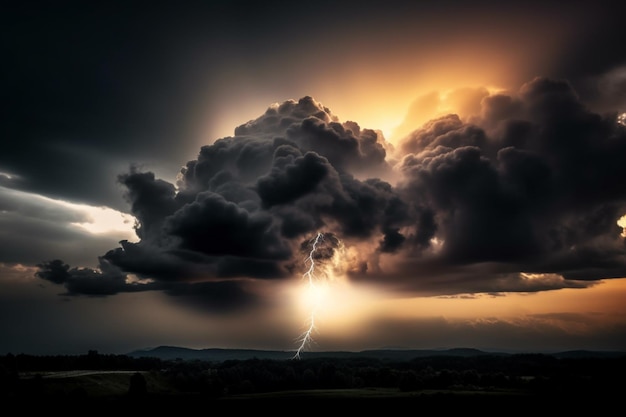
(483, 382)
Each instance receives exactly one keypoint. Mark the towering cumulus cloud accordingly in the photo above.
(523, 195)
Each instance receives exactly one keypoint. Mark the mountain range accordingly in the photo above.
(219, 354)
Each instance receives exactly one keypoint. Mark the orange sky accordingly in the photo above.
(99, 91)
(374, 77)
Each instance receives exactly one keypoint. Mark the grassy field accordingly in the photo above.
(110, 390)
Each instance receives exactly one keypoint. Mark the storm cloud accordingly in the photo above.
(522, 194)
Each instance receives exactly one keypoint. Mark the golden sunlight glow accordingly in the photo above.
(464, 101)
(359, 317)
(542, 277)
(135, 280)
(102, 220)
(314, 295)
(326, 298)
(622, 223)
(91, 219)
(606, 295)
(335, 303)
(436, 244)
(387, 124)
(380, 77)
(17, 273)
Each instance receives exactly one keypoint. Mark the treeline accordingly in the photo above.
(528, 373)
(23, 363)
(531, 373)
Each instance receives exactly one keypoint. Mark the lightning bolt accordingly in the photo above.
(306, 337)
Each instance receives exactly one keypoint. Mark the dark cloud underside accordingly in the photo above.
(530, 184)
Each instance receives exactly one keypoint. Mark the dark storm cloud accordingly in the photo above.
(313, 127)
(289, 181)
(214, 297)
(590, 71)
(243, 207)
(522, 196)
(215, 226)
(90, 87)
(74, 72)
(109, 280)
(151, 200)
(534, 185)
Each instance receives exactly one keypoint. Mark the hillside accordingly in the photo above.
(440, 377)
(218, 355)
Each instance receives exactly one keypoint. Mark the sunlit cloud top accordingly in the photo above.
(484, 203)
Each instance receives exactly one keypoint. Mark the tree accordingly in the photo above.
(138, 385)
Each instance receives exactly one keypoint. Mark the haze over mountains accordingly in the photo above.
(218, 354)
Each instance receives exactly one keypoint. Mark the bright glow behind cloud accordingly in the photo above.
(104, 220)
(622, 223)
(90, 219)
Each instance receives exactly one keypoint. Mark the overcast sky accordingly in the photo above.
(314, 176)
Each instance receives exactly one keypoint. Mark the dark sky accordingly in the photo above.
(186, 154)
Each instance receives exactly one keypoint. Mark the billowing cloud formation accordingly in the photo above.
(523, 194)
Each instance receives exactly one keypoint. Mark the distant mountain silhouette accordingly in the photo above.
(219, 355)
(212, 354)
(573, 354)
